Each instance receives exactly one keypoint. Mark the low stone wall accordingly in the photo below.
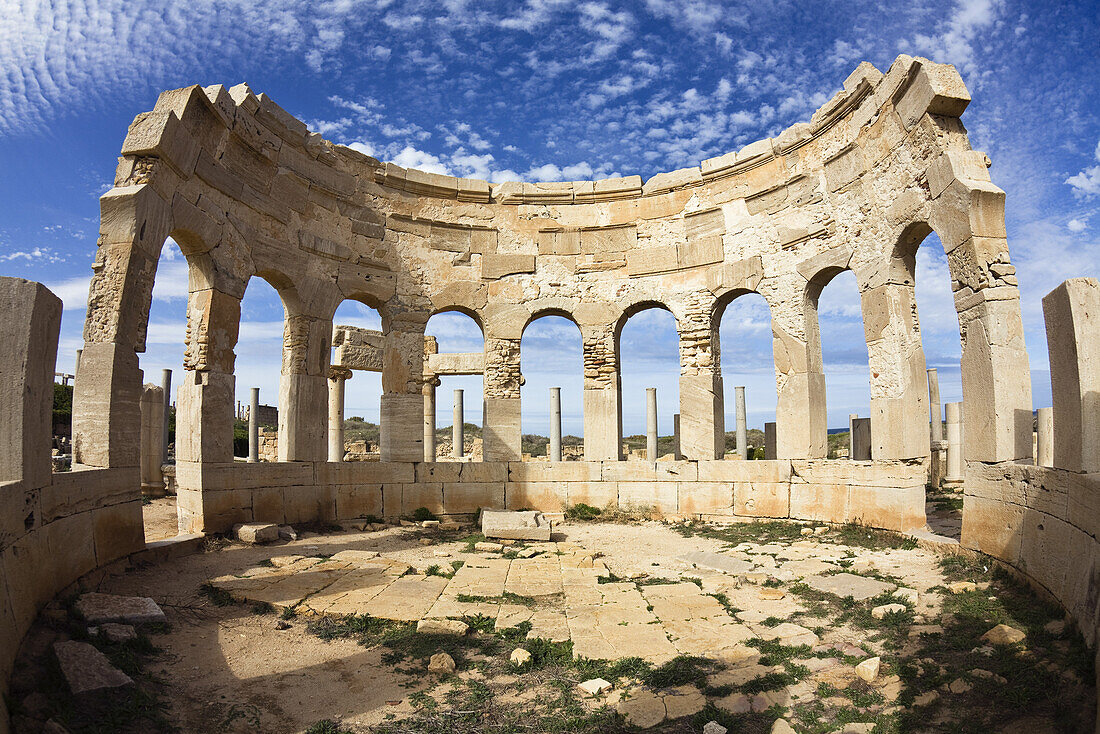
(881, 494)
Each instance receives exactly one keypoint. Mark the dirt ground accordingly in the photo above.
(244, 667)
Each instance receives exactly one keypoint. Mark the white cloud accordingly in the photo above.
(1087, 182)
(1077, 225)
(410, 157)
(73, 292)
(956, 45)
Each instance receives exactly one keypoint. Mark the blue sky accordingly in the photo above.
(547, 90)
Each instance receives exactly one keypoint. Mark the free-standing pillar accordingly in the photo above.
(651, 423)
(852, 418)
(742, 424)
(1044, 438)
(429, 418)
(254, 427)
(336, 388)
(555, 424)
(458, 438)
(152, 441)
(166, 386)
(954, 444)
(602, 416)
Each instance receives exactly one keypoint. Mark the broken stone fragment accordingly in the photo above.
(770, 593)
(596, 686)
(643, 709)
(782, 726)
(86, 669)
(99, 608)
(114, 632)
(880, 612)
(960, 587)
(520, 656)
(868, 670)
(256, 532)
(514, 525)
(713, 727)
(1002, 634)
(286, 532)
(442, 627)
(484, 547)
(441, 664)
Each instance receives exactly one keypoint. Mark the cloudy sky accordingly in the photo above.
(549, 90)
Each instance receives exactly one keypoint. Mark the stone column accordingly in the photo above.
(152, 440)
(954, 476)
(166, 385)
(458, 428)
(429, 418)
(502, 438)
(76, 365)
(1044, 439)
(1072, 313)
(651, 423)
(769, 441)
(304, 390)
(937, 445)
(676, 453)
(897, 371)
(742, 424)
(702, 430)
(254, 427)
(602, 416)
(555, 424)
(338, 376)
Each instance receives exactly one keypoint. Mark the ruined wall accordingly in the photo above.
(54, 528)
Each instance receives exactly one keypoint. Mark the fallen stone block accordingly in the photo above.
(859, 588)
(869, 668)
(86, 669)
(529, 525)
(99, 608)
(1002, 634)
(442, 627)
(441, 664)
(286, 532)
(256, 532)
(520, 656)
(488, 547)
(114, 632)
(782, 726)
(595, 687)
(713, 727)
(882, 611)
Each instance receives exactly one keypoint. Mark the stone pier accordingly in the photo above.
(458, 427)
(152, 440)
(651, 423)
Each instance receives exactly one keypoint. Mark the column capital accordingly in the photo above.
(336, 372)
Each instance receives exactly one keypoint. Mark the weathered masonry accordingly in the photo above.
(247, 191)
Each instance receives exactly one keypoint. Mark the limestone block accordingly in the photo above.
(119, 530)
(495, 266)
(268, 506)
(403, 422)
(100, 608)
(761, 499)
(1072, 312)
(501, 432)
(970, 165)
(672, 180)
(558, 471)
(745, 471)
(460, 498)
(968, 208)
(422, 494)
(661, 496)
(362, 472)
(309, 503)
(594, 494)
(704, 498)
(161, 135)
(821, 502)
(537, 495)
(514, 524)
(70, 548)
(992, 527)
(86, 669)
(933, 88)
(881, 507)
(844, 168)
(30, 328)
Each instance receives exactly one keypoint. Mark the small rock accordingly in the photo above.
(926, 698)
(959, 686)
(1056, 627)
(256, 532)
(86, 669)
(782, 726)
(442, 627)
(909, 595)
(821, 530)
(486, 547)
(713, 727)
(1002, 634)
(520, 656)
(430, 524)
(770, 593)
(426, 541)
(507, 541)
(868, 669)
(286, 532)
(858, 728)
(114, 632)
(881, 612)
(441, 554)
(807, 531)
(960, 587)
(528, 553)
(99, 608)
(282, 625)
(756, 578)
(408, 524)
(596, 686)
(441, 664)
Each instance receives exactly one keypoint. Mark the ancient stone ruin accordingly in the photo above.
(249, 192)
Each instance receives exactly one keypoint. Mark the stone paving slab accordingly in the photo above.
(718, 562)
(859, 588)
(407, 599)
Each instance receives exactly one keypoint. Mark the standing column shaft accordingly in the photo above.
(555, 424)
(76, 365)
(954, 443)
(742, 424)
(429, 420)
(457, 428)
(934, 405)
(651, 423)
(336, 389)
(254, 427)
(166, 385)
(1044, 440)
